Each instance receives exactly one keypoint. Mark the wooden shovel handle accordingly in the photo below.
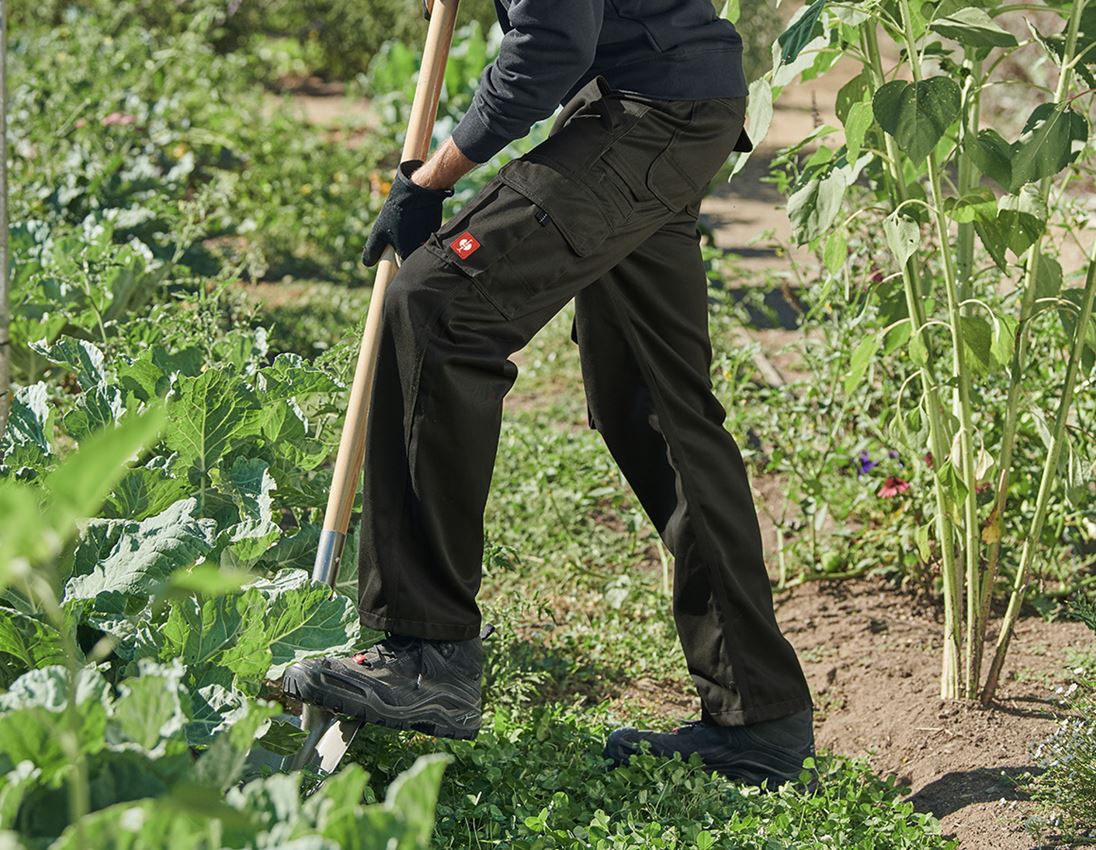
(424, 110)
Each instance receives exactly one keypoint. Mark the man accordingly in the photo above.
(604, 212)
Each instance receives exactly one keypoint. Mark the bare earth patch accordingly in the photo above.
(872, 658)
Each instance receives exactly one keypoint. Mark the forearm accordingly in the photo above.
(444, 168)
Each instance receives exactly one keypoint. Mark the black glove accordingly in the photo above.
(409, 215)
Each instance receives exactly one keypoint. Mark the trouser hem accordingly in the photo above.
(416, 628)
(757, 713)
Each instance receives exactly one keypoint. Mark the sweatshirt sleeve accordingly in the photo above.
(550, 44)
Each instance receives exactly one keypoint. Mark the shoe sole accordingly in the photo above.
(330, 691)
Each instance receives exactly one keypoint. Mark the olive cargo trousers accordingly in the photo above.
(604, 211)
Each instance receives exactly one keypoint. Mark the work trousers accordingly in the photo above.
(604, 211)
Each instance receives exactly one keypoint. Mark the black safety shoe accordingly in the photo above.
(773, 750)
(431, 686)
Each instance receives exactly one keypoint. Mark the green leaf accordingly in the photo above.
(972, 27)
(1048, 145)
(1004, 340)
(291, 376)
(208, 580)
(414, 796)
(284, 428)
(295, 551)
(993, 156)
(260, 632)
(13, 790)
(273, 802)
(143, 825)
(147, 552)
(214, 708)
(1023, 218)
(814, 208)
(861, 359)
(149, 711)
(977, 341)
(33, 724)
(803, 30)
(861, 117)
(336, 810)
(95, 409)
(1018, 223)
(903, 237)
(1048, 277)
(21, 539)
(251, 487)
(81, 484)
(223, 763)
(146, 490)
(918, 114)
(980, 203)
(80, 357)
(286, 738)
(200, 633)
(300, 619)
(27, 423)
(835, 254)
(919, 353)
(29, 643)
(211, 413)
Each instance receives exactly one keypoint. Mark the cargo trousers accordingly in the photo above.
(604, 212)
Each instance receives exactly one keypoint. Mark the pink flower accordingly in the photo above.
(892, 487)
(117, 118)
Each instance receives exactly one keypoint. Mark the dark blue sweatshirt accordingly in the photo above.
(664, 49)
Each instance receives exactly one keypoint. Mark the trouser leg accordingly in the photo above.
(645, 352)
(549, 225)
(444, 369)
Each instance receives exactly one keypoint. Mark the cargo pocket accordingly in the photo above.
(521, 237)
(670, 182)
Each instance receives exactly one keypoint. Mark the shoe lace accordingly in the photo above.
(391, 648)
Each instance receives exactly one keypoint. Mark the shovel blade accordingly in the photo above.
(334, 743)
(328, 739)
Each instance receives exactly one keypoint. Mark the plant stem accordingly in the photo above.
(938, 440)
(968, 171)
(961, 397)
(1050, 472)
(1019, 354)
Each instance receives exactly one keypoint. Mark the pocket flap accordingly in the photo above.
(572, 207)
(669, 183)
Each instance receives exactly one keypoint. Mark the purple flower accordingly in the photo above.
(864, 464)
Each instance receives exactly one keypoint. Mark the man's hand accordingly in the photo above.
(413, 209)
(409, 215)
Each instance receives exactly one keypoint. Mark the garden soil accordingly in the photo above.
(872, 657)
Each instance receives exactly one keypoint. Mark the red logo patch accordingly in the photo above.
(465, 245)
